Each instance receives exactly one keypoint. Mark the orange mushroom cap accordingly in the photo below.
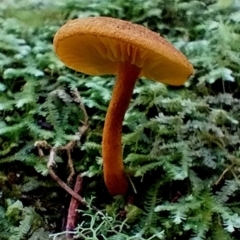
(98, 45)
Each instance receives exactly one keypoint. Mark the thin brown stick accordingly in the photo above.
(71, 167)
(78, 99)
(51, 162)
(66, 187)
(81, 131)
(224, 172)
(72, 210)
(68, 148)
(40, 145)
(60, 182)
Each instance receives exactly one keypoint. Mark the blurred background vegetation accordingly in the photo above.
(181, 145)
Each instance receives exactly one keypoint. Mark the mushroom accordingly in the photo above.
(104, 45)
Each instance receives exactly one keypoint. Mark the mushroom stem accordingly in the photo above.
(113, 169)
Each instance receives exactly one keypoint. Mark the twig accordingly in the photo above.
(50, 164)
(66, 187)
(60, 182)
(72, 210)
(51, 161)
(224, 172)
(133, 186)
(78, 99)
(70, 165)
(68, 148)
(40, 145)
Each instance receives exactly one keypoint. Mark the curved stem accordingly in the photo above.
(113, 169)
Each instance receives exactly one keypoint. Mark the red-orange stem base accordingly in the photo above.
(113, 169)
